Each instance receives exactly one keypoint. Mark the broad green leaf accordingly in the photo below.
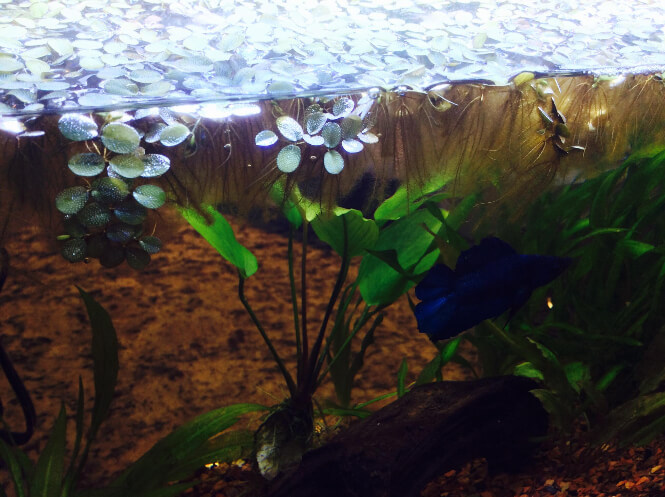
(120, 138)
(406, 200)
(381, 284)
(361, 233)
(220, 235)
(150, 196)
(174, 134)
(48, 478)
(71, 200)
(77, 127)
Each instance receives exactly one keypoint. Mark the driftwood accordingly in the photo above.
(434, 428)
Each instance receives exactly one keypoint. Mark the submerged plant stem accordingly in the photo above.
(304, 357)
(294, 304)
(310, 379)
(285, 373)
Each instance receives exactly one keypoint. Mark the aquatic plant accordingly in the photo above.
(401, 235)
(355, 122)
(158, 472)
(595, 349)
(105, 219)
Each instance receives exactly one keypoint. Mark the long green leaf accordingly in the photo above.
(47, 481)
(7, 455)
(220, 235)
(401, 378)
(105, 361)
(163, 461)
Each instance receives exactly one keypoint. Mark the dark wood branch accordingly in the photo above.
(432, 429)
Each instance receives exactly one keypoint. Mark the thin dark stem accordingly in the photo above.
(280, 364)
(294, 304)
(310, 379)
(304, 358)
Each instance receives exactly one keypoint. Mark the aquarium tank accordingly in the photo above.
(232, 232)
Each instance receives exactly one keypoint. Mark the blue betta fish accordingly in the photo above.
(489, 279)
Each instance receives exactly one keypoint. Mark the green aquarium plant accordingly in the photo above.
(165, 470)
(105, 217)
(394, 250)
(596, 348)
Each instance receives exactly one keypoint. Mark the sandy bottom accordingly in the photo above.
(186, 343)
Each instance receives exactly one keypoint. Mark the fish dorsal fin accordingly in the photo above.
(439, 282)
(487, 251)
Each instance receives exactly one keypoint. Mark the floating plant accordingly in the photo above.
(319, 128)
(105, 218)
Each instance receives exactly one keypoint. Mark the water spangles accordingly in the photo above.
(490, 278)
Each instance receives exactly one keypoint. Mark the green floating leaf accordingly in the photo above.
(77, 127)
(73, 227)
(145, 76)
(173, 135)
(361, 233)
(155, 165)
(87, 164)
(74, 250)
(127, 165)
(333, 162)
(137, 258)
(265, 138)
(121, 86)
(314, 122)
(150, 244)
(71, 200)
(130, 212)
(150, 196)
(352, 146)
(153, 133)
(343, 107)
(112, 255)
(289, 128)
(288, 159)
(120, 138)
(351, 126)
(109, 190)
(47, 480)
(332, 134)
(94, 215)
(220, 235)
(121, 232)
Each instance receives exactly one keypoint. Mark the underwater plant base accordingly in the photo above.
(432, 429)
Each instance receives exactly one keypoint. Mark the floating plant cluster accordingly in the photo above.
(346, 126)
(73, 55)
(105, 218)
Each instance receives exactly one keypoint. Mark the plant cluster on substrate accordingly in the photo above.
(591, 351)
